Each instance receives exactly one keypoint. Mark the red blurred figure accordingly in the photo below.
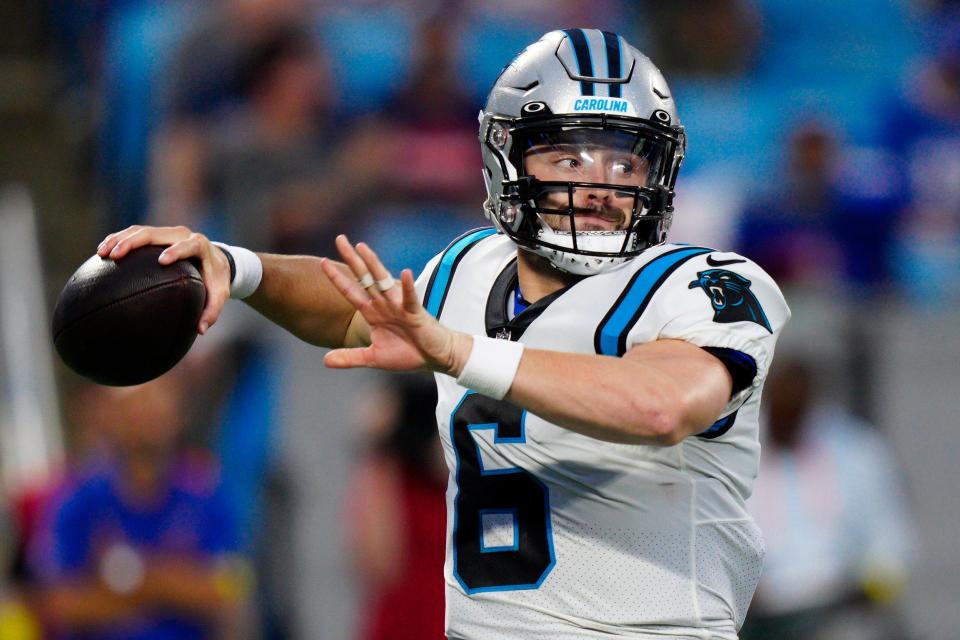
(397, 514)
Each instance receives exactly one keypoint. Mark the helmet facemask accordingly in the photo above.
(587, 191)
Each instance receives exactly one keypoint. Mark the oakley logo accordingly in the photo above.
(720, 263)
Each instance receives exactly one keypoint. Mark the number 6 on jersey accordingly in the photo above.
(502, 539)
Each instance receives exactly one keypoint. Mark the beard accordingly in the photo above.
(603, 217)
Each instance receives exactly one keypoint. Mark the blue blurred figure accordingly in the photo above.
(832, 215)
(923, 133)
(143, 544)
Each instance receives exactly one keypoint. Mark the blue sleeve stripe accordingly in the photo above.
(742, 366)
(610, 338)
(719, 427)
(436, 292)
(581, 48)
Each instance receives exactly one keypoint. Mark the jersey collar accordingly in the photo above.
(497, 320)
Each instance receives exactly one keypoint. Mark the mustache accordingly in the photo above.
(609, 213)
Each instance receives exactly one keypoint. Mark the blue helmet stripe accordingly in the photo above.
(581, 48)
(614, 61)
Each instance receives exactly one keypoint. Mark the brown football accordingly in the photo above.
(128, 321)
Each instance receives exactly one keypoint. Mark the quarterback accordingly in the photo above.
(599, 388)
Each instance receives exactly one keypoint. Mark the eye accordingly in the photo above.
(569, 162)
(623, 167)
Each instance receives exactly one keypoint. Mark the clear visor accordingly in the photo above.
(589, 179)
(598, 156)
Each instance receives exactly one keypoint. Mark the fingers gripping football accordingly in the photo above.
(404, 337)
(182, 244)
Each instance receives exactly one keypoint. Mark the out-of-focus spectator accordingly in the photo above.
(141, 544)
(787, 231)
(428, 186)
(272, 173)
(697, 37)
(434, 132)
(832, 512)
(819, 225)
(923, 132)
(207, 72)
(30, 503)
(397, 516)
(231, 48)
(139, 38)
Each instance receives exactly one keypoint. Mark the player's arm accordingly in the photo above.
(294, 292)
(657, 393)
(189, 588)
(83, 603)
(200, 589)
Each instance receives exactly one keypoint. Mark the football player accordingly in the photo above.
(598, 388)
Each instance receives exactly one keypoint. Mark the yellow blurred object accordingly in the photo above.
(17, 622)
(883, 582)
(234, 579)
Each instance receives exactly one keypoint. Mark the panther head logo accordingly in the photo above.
(731, 297)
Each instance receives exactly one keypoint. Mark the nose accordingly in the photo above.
(591, 196)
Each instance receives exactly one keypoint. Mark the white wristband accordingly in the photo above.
(249, 271)
(491, 367)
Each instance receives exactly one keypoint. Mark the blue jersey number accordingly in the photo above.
(510, 505)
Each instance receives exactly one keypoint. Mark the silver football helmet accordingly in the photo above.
(581, 148)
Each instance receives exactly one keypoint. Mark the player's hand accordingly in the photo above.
(183, 243)
(403, 336)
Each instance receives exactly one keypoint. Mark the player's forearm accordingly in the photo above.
(628, 400)
(597, 396)
(295, 294)
(85, 603)
(190, 591)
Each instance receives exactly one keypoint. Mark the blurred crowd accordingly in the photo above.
(823, 145)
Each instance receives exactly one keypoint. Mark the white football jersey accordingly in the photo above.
(555, 535)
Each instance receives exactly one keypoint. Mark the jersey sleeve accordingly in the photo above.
(728, 306)
(423, 280)
(434, 283)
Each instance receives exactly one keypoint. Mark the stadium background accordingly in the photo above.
(824, 142)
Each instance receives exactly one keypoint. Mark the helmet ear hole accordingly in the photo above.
(535, 109)
(661, 116)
